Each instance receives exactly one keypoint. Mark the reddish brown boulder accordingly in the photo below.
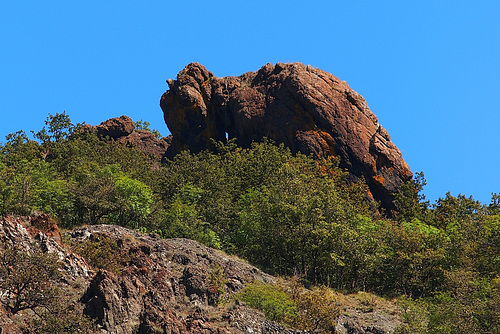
(116, 127)
(122, 130)
(146, 142)
(305, 108)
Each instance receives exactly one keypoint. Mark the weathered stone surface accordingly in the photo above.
(305, 108)
(40, 232)
(44, 223)
(146, 142)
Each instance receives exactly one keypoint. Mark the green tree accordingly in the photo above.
(410, 200)
(182, 220)
(134, 200)
(54, 196)
(59, 128)
(415, 316)
(144, 125)
(466, 307)
(7, 200)
(462, 219)
(413, 259)
(94, 191)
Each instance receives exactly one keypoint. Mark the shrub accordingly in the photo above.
(217, 280)
(102, 252)
(316, 309)
(62, 318)
(271, 299)
(292, 304)
(26, 279)
(27, 283)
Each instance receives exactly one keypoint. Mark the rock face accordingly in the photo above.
(305, 108)
(164, 286)
(167, 286)
(116, 127)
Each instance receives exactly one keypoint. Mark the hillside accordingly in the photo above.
(129, 282)
(152, 242)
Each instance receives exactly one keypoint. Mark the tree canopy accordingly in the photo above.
(288, 214)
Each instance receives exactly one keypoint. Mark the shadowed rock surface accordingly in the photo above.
(305, 108)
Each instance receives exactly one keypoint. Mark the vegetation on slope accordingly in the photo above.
(288, 214)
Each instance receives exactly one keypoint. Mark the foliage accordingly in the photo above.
(182, 219)
(316, 308)
(62, 318)
(313, 311)
(144, 125)
(280, 211)
(288, 214)
(27, 283)
(217, 281)
(102, 252)
(134, 199)
(271, 299)
(26, 279)
(467, 306)
(410, 201)
(415, 316)
(59, 128)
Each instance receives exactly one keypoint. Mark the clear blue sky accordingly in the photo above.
(430, 70)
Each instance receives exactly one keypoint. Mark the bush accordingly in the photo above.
(316, 309)
(25, 279)
(27, 283)
(271, 299)
(415, 316)
(290, 303)
(102, 252)
(62, 318)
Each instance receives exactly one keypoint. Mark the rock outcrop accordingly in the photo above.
(305, 108)
(166, 284)
(163, 286)
(123, 130)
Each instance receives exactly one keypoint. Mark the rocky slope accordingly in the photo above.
(305, 108)
(160, 285)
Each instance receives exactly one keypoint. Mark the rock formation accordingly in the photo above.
(122, 129)
(166, 285)
(305, 108)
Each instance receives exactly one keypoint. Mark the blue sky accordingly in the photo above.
(430, 70)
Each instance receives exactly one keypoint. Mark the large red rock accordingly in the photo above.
(116, 127)
(305, 108)
(146, 142)
(122, 129)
